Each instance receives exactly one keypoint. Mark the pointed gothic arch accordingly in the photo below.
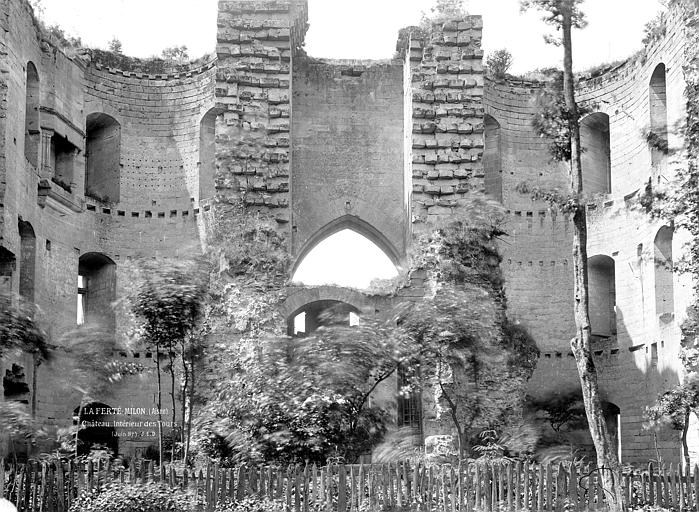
(353, 223)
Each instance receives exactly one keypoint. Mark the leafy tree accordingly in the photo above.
(499, 63)
(178, 54)
(674, 408)
(115, 45)
(19, 331)
(553, 119)
(565, 15)
(168, 302)
(441, 11)
(449, 8)
(303, 399)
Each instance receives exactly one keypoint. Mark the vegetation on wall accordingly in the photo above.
(474, 360)
(277, 398)
(498, 63)
(678, 203)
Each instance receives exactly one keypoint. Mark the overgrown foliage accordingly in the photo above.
(150, 497)
(304, 399)
(19, 331)
(115, 45)
(553, 118)
(475, 361)
(498, 63)
(678, 203)
(655, 29)
(673, 409)
(178, 54)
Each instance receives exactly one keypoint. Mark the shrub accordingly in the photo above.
(498, 63)
(251, 504)
(151, 497)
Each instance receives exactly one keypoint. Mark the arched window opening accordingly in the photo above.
(96, 290)
(103, 158)
(664, 287)
(27, 261)
(658, 136)
(602, 293)
(492, 159)
(8, 264)
(596, 155)
(207, 155)
(345, 258)
(323, 313)
(32, 135)
(95, 431)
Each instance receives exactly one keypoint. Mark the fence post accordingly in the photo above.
(671, 478)
(288, 487)
(688, 477)
(524, 502)
(60, 488)
(574, 487)
(342, 489)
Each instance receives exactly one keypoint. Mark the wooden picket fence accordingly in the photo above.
(345, 488)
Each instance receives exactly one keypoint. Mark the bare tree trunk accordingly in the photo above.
(160, 403)
(77, 430)
(185, 386)
(191, 410)
(582, 343)
(685, 445)
(173, 430)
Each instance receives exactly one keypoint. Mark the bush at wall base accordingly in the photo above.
(151, 497)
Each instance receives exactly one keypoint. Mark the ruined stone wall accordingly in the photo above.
(648, 344)
(257, 41)
(537, 249)
(447, 104)
(347, 148)
(159, 177)
(160, 144)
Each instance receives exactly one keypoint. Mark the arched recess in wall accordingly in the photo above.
(346, 252)
(602, 293)
(8, 263)
(492, 158)
(596, 155)
(103, 157)
(96, 291)
(663, 270)
(98, 432)
(32, 136)
(322, 313)
(207, 155)
(27, 261)
(658, 136)
(612, 417)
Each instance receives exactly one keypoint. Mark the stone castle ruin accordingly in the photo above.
(105, 159)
